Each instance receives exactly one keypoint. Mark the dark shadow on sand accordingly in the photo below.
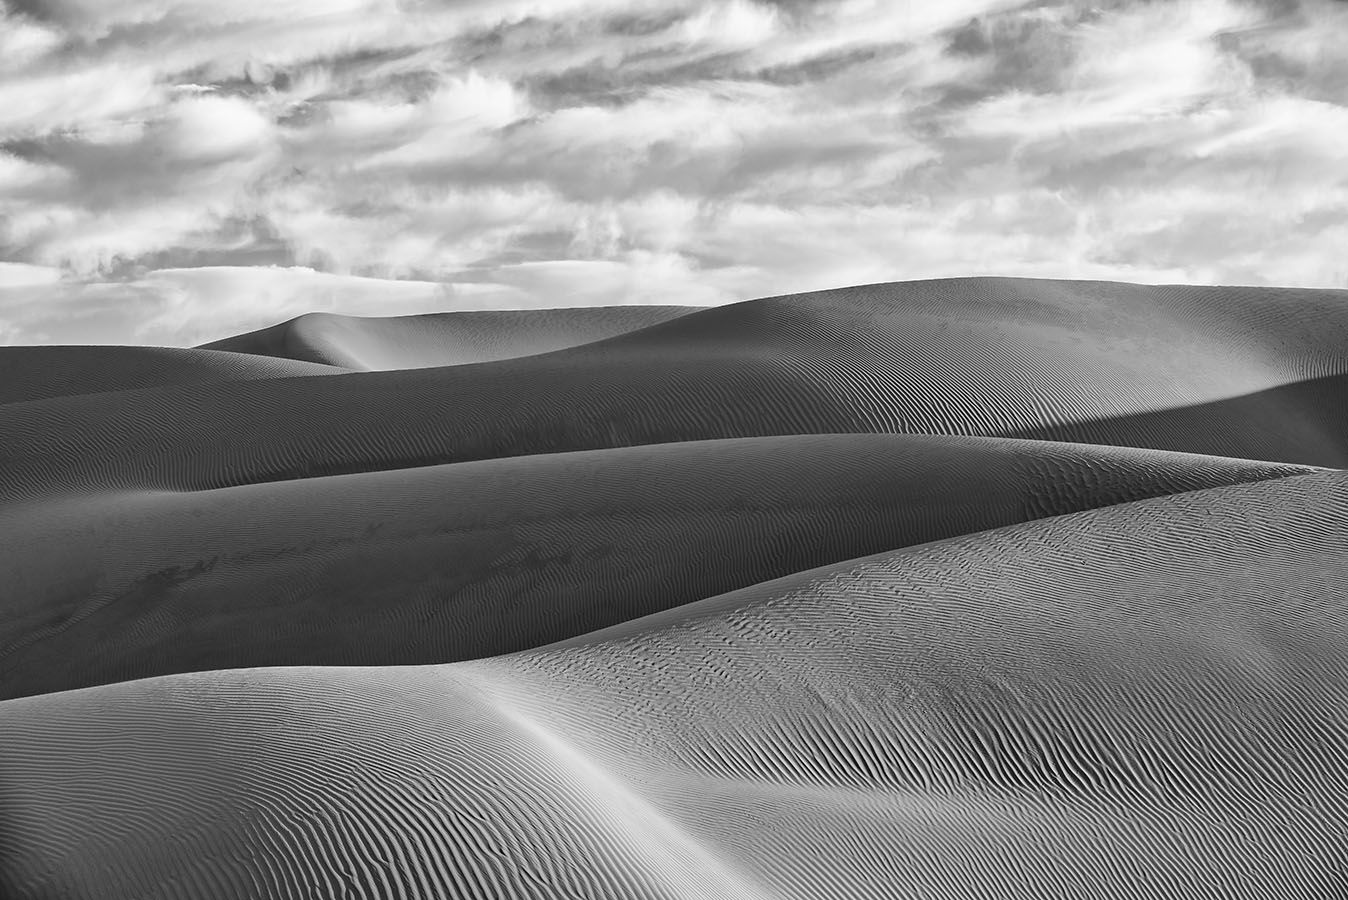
(1304, 422)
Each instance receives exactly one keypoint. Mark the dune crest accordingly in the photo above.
(442, 339)
(40, 373)
(443, 563)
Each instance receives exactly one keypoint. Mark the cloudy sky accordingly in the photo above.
(172, 172)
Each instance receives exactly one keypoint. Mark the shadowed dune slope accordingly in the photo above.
(958, 356)
(37, 373)
(446, 563)
(1306, 420)
(443, 339)
(1102, 704)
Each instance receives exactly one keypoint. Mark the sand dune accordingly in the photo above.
(1101, 704)
(39, 373)
(445, 563)
(967, 588)
(973, 356)
(442, 339)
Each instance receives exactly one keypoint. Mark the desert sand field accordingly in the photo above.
(960, 588)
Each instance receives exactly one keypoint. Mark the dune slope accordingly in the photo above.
(445, 563)
(38, 373)
(965, 588)
(442, 339)
(1099, 704)
(972, 356)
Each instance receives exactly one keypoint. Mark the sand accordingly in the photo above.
(963, 588)
(442, 339)
(39, 373)
(1102, 704)
(444, 563)
(1248, 373)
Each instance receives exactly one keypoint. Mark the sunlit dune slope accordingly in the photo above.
(38, 373)
(1139, 701)
(445, 563)
(443, 339)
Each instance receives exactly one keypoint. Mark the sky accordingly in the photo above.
(174, 172)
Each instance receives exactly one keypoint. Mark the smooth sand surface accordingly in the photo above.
(950, 589)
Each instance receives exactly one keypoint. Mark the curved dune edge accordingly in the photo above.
(40, 373)
(1097, 704)
(962, 356)
(447, 563)
(442, 339)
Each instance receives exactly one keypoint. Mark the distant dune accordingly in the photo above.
(959, 588)
(39, 373)
(442, 339)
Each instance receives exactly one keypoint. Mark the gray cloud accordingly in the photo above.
(174, 169)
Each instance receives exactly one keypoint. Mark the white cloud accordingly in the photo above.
(460, 114)
(210, 128)
(19, 177)
(25, 275)
(697, 151)
(1292, 130)
(23, 43)
(97, 18)
(730, 23)
(43, 102)
(1136, 66)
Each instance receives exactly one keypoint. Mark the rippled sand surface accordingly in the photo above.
(950, 589)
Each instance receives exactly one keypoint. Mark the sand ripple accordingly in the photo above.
(954, 589)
